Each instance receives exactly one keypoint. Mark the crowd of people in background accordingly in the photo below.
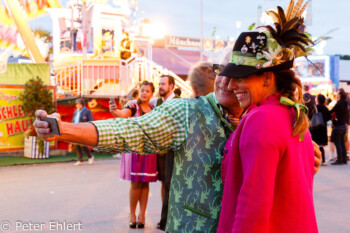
(335, 112)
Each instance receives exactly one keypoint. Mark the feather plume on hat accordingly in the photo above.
(273, 48)
(288, 30)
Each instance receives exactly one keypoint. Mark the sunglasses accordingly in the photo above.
(217, 68)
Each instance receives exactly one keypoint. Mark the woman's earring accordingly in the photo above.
(265, 83)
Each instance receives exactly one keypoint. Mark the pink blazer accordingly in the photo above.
(268, 174)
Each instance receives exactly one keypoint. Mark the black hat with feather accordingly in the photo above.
(272, 49)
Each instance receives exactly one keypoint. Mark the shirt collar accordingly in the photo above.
(217, 104)
(170, 97)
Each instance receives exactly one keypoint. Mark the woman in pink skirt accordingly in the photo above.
(139, 169)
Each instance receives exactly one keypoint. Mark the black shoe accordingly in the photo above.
(337, 163)
(140, 224)
(158, 225)
(132, 224)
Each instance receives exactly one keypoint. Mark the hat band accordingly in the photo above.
(247, 61)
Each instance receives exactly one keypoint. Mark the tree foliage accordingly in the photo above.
(36, 96)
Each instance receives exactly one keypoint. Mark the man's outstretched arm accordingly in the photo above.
(82, 133)
(164, 128)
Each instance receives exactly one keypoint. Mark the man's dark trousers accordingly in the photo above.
(169, 164)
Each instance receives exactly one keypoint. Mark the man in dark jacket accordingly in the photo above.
(340, 119)
(165, 162)
(82, 114)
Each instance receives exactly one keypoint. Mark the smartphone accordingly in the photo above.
(55, 130)
(112, 100)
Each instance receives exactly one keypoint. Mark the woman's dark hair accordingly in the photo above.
(342, 93)
(290, 86)
(148, 84)
(321, 99)
(135, 93)
(177, 91)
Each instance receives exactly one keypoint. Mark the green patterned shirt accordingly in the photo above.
(164, 128)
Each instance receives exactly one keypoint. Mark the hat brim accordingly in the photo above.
(232, 70)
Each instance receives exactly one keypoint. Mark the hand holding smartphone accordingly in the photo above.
(55, 130)
(112, 100)
(112, 104)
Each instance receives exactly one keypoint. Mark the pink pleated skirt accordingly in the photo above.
(139, 168)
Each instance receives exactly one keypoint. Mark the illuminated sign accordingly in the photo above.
(175, 41)
(187, 42)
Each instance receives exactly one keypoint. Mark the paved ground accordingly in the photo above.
(94, 199)
(92, 195)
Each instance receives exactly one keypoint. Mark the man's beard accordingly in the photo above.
(163, 92)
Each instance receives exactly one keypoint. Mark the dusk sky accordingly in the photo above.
(182, 18)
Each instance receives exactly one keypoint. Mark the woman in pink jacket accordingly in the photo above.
(268, 163)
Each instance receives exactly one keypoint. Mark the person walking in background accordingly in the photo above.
(82, 114)
(330, 103)
(139, 169)
(339, 115)
(319, 133)
(347, 142)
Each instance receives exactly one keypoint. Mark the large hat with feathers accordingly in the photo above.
(273, 48)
